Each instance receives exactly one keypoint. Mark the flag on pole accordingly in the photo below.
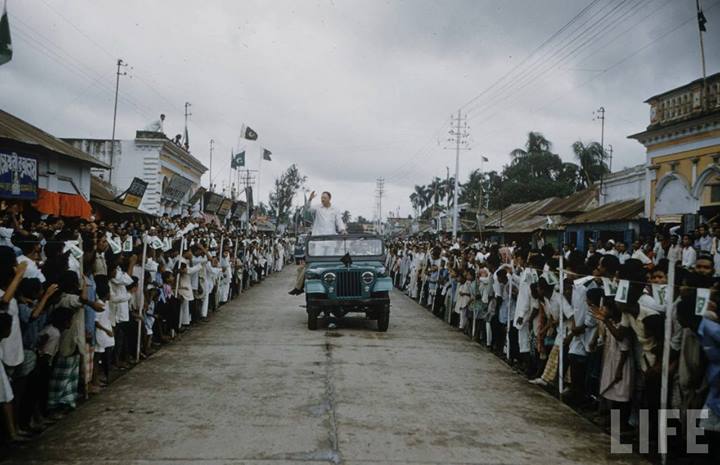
(5, 40)
(238, 160)
(248, 133)
(266, 155)
(701, 20)
(485, 159)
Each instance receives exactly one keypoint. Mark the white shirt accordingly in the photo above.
(689, 256)
(119, 296)
(327, 221)
(12, 347)
(32, 270)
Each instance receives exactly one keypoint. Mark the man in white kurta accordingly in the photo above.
(327, 221)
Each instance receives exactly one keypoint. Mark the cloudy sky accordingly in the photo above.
(354, 90)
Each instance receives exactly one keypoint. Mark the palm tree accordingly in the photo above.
(437, 191)
(592, 161)
(346, 217)
(448, 190)
(536, 144)
(420, 198)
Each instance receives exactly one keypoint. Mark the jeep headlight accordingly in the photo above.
(329, 278)
(368, 277)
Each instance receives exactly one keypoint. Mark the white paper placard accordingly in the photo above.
(622, 289)
(701, 302)
(659, 291)
(609, 286)
(127, 245)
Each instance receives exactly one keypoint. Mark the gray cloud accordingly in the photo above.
(348, 90)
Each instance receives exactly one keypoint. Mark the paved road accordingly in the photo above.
(254, 386)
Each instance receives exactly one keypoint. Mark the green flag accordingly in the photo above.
(266, 155)
(5, 41)
(238, 160)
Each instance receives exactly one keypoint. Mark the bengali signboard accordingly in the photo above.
(239, 209)
(225, 206)
(197, 195)
(18, 176)
(134, 194)
(176, 189)
(212, 202)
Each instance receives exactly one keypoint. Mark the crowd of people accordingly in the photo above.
(81, 301)
(603, 310)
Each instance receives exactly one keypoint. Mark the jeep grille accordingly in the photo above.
(349, 284)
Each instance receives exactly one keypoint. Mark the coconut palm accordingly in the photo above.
(592, 161)
(420, 198)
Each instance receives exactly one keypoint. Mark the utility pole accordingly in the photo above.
(120, 64)
(212, 144)
(610, 157)
(187, 113)
(600, 114)
(379, 191)
(459, 134)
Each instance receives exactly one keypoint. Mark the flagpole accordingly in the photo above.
(702, 55)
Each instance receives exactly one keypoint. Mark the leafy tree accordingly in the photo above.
(361, 220)
(286, 186)
(483, 187)
(534, 173)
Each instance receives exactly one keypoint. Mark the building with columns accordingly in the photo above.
(171, 171)
(683, 153)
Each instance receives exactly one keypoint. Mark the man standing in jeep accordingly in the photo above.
(327, 221)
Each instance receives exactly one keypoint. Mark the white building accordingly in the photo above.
(172, 172)
(628, 184)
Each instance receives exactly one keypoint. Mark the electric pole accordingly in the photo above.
(212, 144)
(459, 134)
(379, 191)
(600, 114)
(120, 64)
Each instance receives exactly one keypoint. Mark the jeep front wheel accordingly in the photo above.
(312, 319)
(383, 320)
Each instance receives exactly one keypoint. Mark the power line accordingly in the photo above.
(608, 20)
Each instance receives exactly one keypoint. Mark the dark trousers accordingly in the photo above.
(578, 369)
(498, 333)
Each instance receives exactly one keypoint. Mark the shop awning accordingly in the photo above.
(62, 205)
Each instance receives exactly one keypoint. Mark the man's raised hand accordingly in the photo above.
(312, 196)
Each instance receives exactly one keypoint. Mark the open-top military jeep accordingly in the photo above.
(344, 274)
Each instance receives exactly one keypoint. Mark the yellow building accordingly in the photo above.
(683, 152)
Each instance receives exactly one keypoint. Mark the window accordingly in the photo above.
(715, 193)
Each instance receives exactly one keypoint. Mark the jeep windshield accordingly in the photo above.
(356, 247)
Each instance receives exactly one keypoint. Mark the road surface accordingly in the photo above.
(254, 386)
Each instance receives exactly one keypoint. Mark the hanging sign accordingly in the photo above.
(225, 206)
(212, 202)
(18, 176)
(176, 189)
(134, 194)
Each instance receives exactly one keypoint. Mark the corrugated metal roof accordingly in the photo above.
(579, 202)
(13, 128)
(622, 210)
(523, 217)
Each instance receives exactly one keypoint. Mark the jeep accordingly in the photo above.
(346, 274)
